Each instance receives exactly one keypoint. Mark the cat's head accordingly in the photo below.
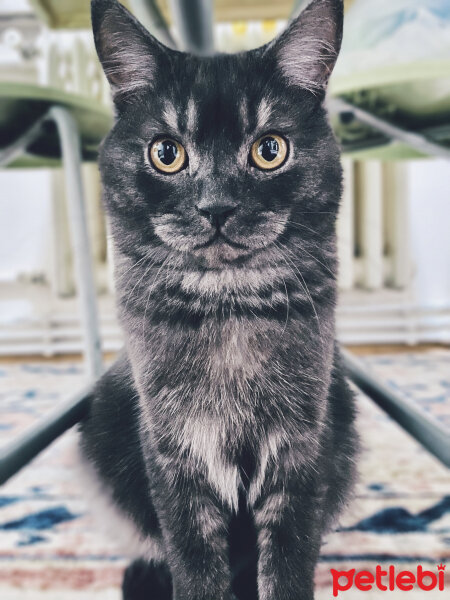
(220, 159)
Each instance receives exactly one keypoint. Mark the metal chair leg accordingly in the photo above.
(71, 154)
(430, 433)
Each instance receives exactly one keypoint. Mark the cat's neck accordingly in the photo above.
(175, 293)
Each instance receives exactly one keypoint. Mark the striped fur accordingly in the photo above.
(228, 417)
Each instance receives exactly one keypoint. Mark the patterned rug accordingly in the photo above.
(50, 548)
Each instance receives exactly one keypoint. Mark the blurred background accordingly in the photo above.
(394, 245)
(394, 276)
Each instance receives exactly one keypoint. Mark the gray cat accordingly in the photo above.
(224, 435)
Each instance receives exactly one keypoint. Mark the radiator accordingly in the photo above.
(377, 301)
(372, 228)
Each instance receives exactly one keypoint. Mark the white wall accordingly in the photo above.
(429, 183)
(25, 220)
(15, 6)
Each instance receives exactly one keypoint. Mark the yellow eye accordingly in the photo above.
(167, 155)
(269, 152)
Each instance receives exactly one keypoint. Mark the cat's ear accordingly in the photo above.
(127, 51)
(307, 51)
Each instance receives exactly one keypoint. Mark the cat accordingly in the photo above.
(224, 435)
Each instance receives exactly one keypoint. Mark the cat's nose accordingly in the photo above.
(216, 214)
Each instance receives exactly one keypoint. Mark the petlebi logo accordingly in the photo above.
(388, 580)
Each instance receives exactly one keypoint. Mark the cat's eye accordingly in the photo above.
(167, 155)
(269, 152)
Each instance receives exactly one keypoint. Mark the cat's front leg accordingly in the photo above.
(289, 532)
(194, 527)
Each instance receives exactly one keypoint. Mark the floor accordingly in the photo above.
(51, 547)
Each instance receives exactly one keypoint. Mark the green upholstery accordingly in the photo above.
(21, 105)
(415, 97)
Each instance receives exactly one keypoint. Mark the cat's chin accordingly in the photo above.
(220, 253)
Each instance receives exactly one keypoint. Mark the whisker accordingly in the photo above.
(133, 266)
(139, 281)
(287, 306)
(317, 260)
(326, 267)
(303, 285)
(310, 229)
(150, 293)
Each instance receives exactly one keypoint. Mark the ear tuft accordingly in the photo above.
(125, 48)
(307, 51)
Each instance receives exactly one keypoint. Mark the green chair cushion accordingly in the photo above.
(21, 105)
(413, 96)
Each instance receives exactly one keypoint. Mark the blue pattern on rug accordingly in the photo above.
(5, 500)
(31, 540)
(398, 519)
(45, 519)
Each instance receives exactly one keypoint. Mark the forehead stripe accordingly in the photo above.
(191, 115)
(264, 113)
(170, 116)
(243, 111)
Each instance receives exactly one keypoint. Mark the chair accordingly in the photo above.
(39, 126)
(361, 131)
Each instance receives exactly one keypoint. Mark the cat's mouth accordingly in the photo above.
(220, 239)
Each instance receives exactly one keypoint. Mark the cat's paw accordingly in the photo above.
(147, 581)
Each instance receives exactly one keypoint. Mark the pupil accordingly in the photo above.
(268, 149)
(167, 152)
